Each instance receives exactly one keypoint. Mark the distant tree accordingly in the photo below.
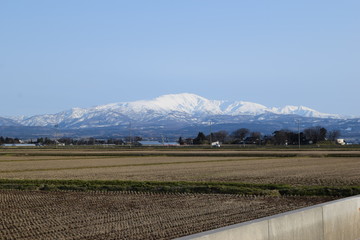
(91, 141)
(134, 139)
(137, 138)
(257, 137)
(48, 141)
(323, 133)
(200, 139)
(333, 135)
(115, 141)
(282, 137)
(315, 134)
(239, 135)
(268, 139)
(181, 141)
(219, 136)
(66, 141)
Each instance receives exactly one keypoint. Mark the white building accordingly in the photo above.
(340, 141)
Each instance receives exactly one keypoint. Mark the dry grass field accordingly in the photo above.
(112, 214)
(29, 215)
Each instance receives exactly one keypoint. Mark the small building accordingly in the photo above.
(171, 144)
(340, 141)
(157, 143)
(149, 143)
(19, 145)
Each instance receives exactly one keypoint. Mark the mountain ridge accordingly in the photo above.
(184, 108)
(174, 115)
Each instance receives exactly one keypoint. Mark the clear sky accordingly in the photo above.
(55, 55)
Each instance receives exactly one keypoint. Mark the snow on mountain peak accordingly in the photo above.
(303, 111)
(179, 102)
(185, 102)
(241, 107)
(185, 107)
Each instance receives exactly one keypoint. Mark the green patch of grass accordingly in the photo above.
(180, 187)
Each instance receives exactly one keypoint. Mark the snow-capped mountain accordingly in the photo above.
(176, 109)
(304, 112)
(8, 122)
(173, 115)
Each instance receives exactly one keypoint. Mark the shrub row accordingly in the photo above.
(180, 187)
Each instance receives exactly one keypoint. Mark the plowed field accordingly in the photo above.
(135, 215)
(304, 168)
(29, 215)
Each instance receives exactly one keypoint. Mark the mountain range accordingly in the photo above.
(179, 113)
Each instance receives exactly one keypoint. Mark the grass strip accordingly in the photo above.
(180, 187)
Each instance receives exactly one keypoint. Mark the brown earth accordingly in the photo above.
(128, 215)
(309, 168)
(29, 215)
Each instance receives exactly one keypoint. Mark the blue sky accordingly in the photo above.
(55, 55)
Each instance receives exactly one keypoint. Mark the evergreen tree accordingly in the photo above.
(200, 139)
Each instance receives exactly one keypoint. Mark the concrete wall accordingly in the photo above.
(336, 220)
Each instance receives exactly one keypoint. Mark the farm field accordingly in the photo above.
(162, 191)
(300, 168)
(29, 215)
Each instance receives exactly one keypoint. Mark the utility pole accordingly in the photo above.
(130, 135)
(210, 134)
(56, 134)
(298, 122)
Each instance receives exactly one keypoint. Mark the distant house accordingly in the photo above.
(19, 145)
(150, 143)
(251, 140)
(171, 144)
(215, 144)
(341, 141)
(157, 143)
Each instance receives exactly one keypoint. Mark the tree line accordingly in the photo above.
(65, 141)
(312, 135)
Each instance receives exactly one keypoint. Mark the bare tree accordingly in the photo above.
(333, 135)
(256, 136)
(240, 134)
(281, 137)
(315, 134)
(219, 136)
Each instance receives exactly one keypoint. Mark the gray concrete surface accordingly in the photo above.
(336, 220)
(299, 225)
(342, 220)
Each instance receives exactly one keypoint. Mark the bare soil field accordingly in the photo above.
(29, 215)
(169, 151)
(304, 168)
(49, 214)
